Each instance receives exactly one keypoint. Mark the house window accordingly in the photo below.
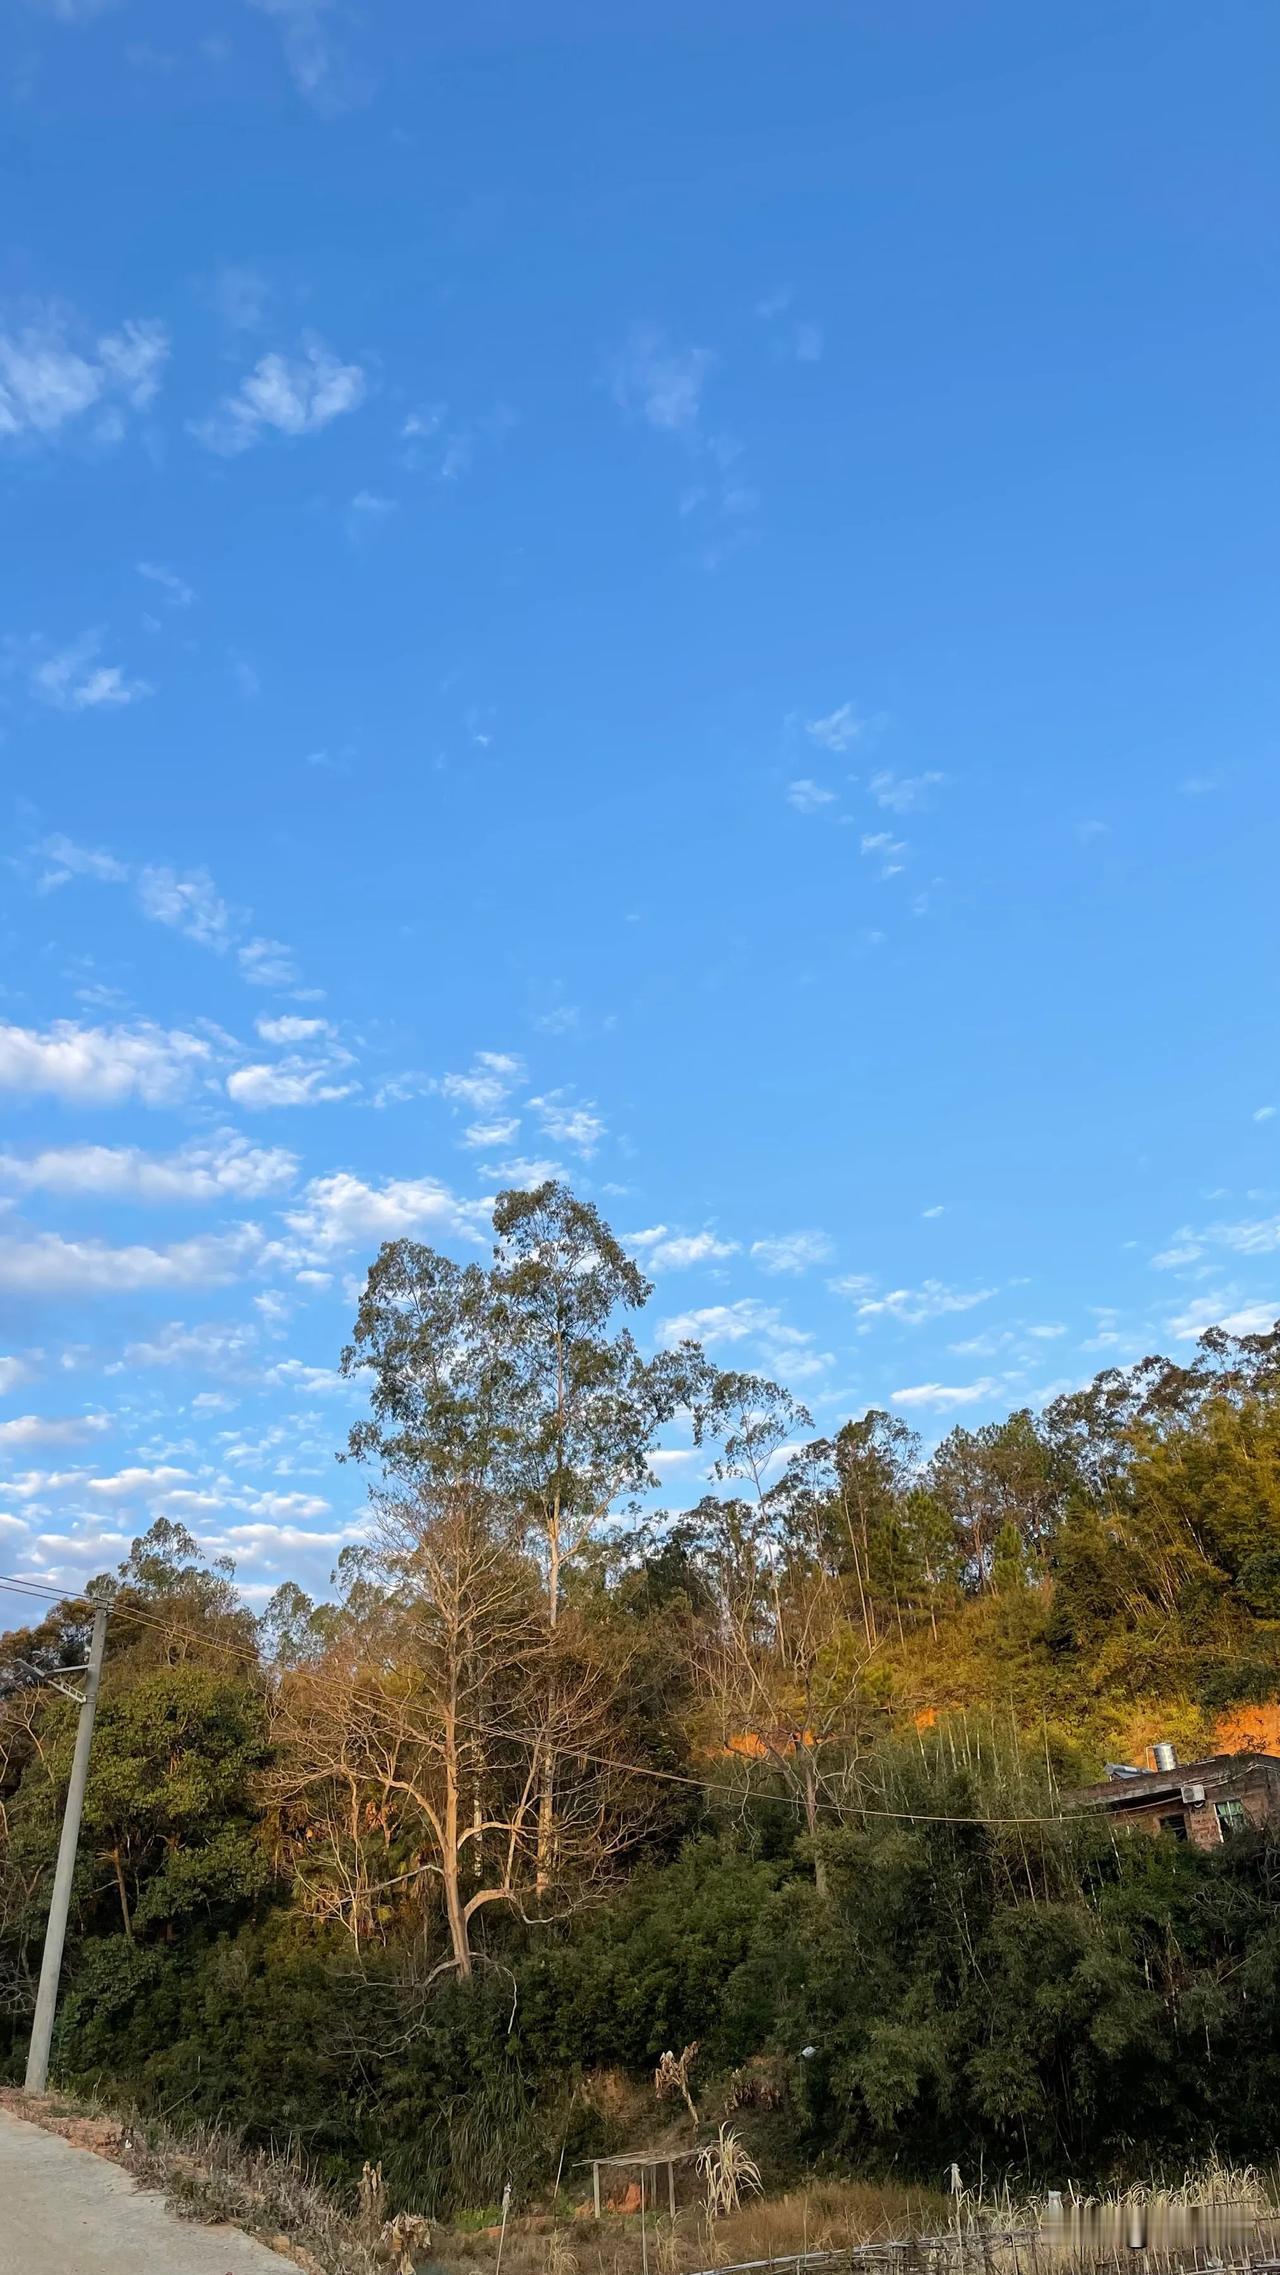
(1175, 1825)
(1231, 1817)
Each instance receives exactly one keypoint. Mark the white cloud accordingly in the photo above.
(665, 1251)
(731, 1323)
(292, 1081)
(12, 1372)
(138, 1483)
(902, 792)
(102, 1066)
(886, 849)
(809, 343)
(941, 1396)
(177, 592)
(579, 1126)
(317, 65)
(72, 680)
(342, 1211)
(217, 1347)
(937, 1210)
(492, 1077)
(267, 963)
(288, 1029)
(1185, 1250)
(522, 1173)
(491, 1133)
(49, 1430)
(1226, 1312)
(809, 797)
(1251, 1236)
(315, 1382)
(791, 1251)
(367, 512)
(1264, 1113)
(72, 860)
(43, 1264)
(49, 384)
(661, 384)
(913, 1306)
(289, 395)
(189, 903)
(840, 729)
(213, 1169)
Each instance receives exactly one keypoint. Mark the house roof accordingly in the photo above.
(1152, 1785)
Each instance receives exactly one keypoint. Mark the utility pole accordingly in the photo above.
(55, 1934)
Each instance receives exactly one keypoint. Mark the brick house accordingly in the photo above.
(1202, 1802)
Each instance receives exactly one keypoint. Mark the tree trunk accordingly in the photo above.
(450, 1862)
(811, 1818)
(123, 1893)
(547, 1777)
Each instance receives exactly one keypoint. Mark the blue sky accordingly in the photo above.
(684, 593)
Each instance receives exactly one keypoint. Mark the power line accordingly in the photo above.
(251, 1658)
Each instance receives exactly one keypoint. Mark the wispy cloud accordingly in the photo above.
(911, 1306)
(663, 386)
(1228, 1312)
(177, 592)
(287, 395)
(492, 1133)
(186, 900)
(1247, 1236)
(267, 963)
(940, 1397)
(569, 1123)
(659, 383)
(72, 679)
(54, 381)
(902, 793)
(318, 65)
(739, 1322)
(488, 1082)
(839, 730)
(367, 513)
(189, 903)
(239, 296)
(809, 797)
(881, 846)
(791, 1252)
(293, 1081)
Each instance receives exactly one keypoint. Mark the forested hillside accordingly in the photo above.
(437, 1869)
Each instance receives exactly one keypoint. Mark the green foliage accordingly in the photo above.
(810, 1738)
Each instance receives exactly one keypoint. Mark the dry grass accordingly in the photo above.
(824, 2215)
(206, 2174)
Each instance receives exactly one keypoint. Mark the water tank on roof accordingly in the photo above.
(1166, 1755)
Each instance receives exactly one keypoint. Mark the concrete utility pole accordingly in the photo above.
(55, 1934)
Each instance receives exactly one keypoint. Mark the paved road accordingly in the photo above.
(65, 2211)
